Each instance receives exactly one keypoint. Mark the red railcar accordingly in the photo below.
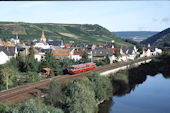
(81, 67)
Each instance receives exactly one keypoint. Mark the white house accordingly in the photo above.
(128, 53)
(150, 52)
(76, 54)
(158, 51)
(42, 45)
(3, 57)
(146, 53)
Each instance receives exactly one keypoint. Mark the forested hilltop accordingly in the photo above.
(76, 32)
(160, 39)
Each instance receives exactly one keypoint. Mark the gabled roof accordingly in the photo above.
(101, 52)
(113, 50)
(46, 69)
(123, 54)
(127, 50)
(78, 52)
(61, 53)
(36, 50)
(9, 51)
(45, 50)
(5, 43)
(152, 49)
(67, 45)
(55, 42)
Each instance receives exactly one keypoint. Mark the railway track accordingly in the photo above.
(16, 95)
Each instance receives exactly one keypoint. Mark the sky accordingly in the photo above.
(113, 15)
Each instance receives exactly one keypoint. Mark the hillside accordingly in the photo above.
(135, 35)
(159, 39)
(77, 32)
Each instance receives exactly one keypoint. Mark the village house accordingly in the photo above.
(3, 57)
(40, 53)
(61, 54)
(128, 53)
(83, 46)
(76, 54)
(101, 53)
(113, 52)
(45, 71)
(67, 45)
(55, 43)
(148, 51)
(7, 53)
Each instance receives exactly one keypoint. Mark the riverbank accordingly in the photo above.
(125, 81)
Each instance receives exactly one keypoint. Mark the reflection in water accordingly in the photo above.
(153, 96)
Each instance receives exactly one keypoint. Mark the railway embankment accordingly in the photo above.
(112, 71)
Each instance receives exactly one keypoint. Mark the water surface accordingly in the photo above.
(153, 96)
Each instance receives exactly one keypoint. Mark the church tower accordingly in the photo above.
(43, 39)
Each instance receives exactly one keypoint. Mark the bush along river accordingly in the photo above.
(143, 89)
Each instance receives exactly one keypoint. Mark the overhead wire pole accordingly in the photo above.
(7, 82)
(91, 56)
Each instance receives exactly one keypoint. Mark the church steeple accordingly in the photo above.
(43, 37)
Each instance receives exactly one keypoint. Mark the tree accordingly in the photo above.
(140, 49)
(65, 64)
(101, 85)
(31, 63)
(55, 95)
(5, 73)
(50, 62)
(117, 54)
(32, 77)
(4, 108)
(107, 60)
(82, 98)
(21, 63)
(85, 58)
(31, 106)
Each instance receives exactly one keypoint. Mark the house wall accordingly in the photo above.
(3, 58)
(76, 57)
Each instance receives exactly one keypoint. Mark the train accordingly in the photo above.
(81, 68)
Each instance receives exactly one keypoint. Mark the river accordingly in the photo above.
(152, 96)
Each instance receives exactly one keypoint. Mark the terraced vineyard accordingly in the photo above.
(76, 32)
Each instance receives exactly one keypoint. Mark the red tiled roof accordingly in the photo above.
(113, 50)
(67, 45)
(124, 54)
(61, 53)
(5, 43)
(78, 52)
(47, 69)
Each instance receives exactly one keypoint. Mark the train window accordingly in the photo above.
(71, 68)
